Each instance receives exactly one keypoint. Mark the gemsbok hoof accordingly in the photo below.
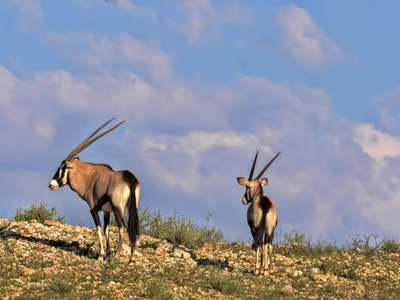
(100, 258)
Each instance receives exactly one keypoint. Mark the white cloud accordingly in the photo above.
(203, 17)
(384, 213)
(236, 13)
(131, 8)
(285, 107)
(377, 144)
(304, 40)
(199, 16)
(193, 149)
(126, 5)
(196, 142)
(7, 84)
(46, 130)
(28, 7)
(389, 109)
(100, 53)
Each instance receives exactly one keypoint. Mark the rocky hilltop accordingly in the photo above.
(53, 260)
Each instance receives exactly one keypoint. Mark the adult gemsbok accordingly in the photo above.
(261, 216)
(104, 190)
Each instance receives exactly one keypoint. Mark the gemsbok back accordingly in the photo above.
(261, 217)
(104, 190)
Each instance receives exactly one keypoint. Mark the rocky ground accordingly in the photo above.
(53, 260)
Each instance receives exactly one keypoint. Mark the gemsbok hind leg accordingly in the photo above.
(263, 259)
(119, 217)
(258, 260)
(268, 242)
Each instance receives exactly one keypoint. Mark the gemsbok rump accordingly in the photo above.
(104, 190)
(261, 217)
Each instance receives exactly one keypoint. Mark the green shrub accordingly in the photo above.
(390, 245)
(149, 222)
(158, 290)
(145, 219)
(38, 212)
(295, 237)
(223, 283)
(371, 247)
(183, 231)
(60, 285)
(177, 229)
(152, 245)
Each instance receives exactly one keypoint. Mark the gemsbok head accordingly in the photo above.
(261, 217)
(103, 190)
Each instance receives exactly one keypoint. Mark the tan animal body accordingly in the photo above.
(261, 217)
(103, 189)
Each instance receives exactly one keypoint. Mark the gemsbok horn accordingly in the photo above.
(261, 217)
(103, 190)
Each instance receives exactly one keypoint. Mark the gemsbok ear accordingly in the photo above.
(70, 165)
(264, 182)
(242, 181)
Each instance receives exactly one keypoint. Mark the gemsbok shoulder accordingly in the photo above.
(261, 217)
(103, 189)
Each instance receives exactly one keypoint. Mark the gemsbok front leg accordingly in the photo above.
(96, 219)
(261, 217)
(258, 260)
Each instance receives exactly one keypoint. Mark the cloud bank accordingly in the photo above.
(187, 141)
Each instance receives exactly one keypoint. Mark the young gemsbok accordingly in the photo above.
(261, 217)
(104, 190)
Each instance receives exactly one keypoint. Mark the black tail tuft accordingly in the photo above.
(133, 221)
(258, 238)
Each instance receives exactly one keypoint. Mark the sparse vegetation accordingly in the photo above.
(387, 245)
(177, 229)
(294, 237)
(38, 212)
(60, 285)
(58, 261)
(158, 290)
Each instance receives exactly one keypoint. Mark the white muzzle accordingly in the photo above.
(53, 185)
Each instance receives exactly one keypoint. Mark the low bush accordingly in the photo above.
(38, 212)
(158, 290)
(294, 237)
(177, 229)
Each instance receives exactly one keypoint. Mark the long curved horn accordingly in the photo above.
(266, 167)
(88, 142)
(252, 168)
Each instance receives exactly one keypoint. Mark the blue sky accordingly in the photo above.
(202, 86)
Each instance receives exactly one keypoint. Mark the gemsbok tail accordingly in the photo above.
(133, 221)
(259, 232)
